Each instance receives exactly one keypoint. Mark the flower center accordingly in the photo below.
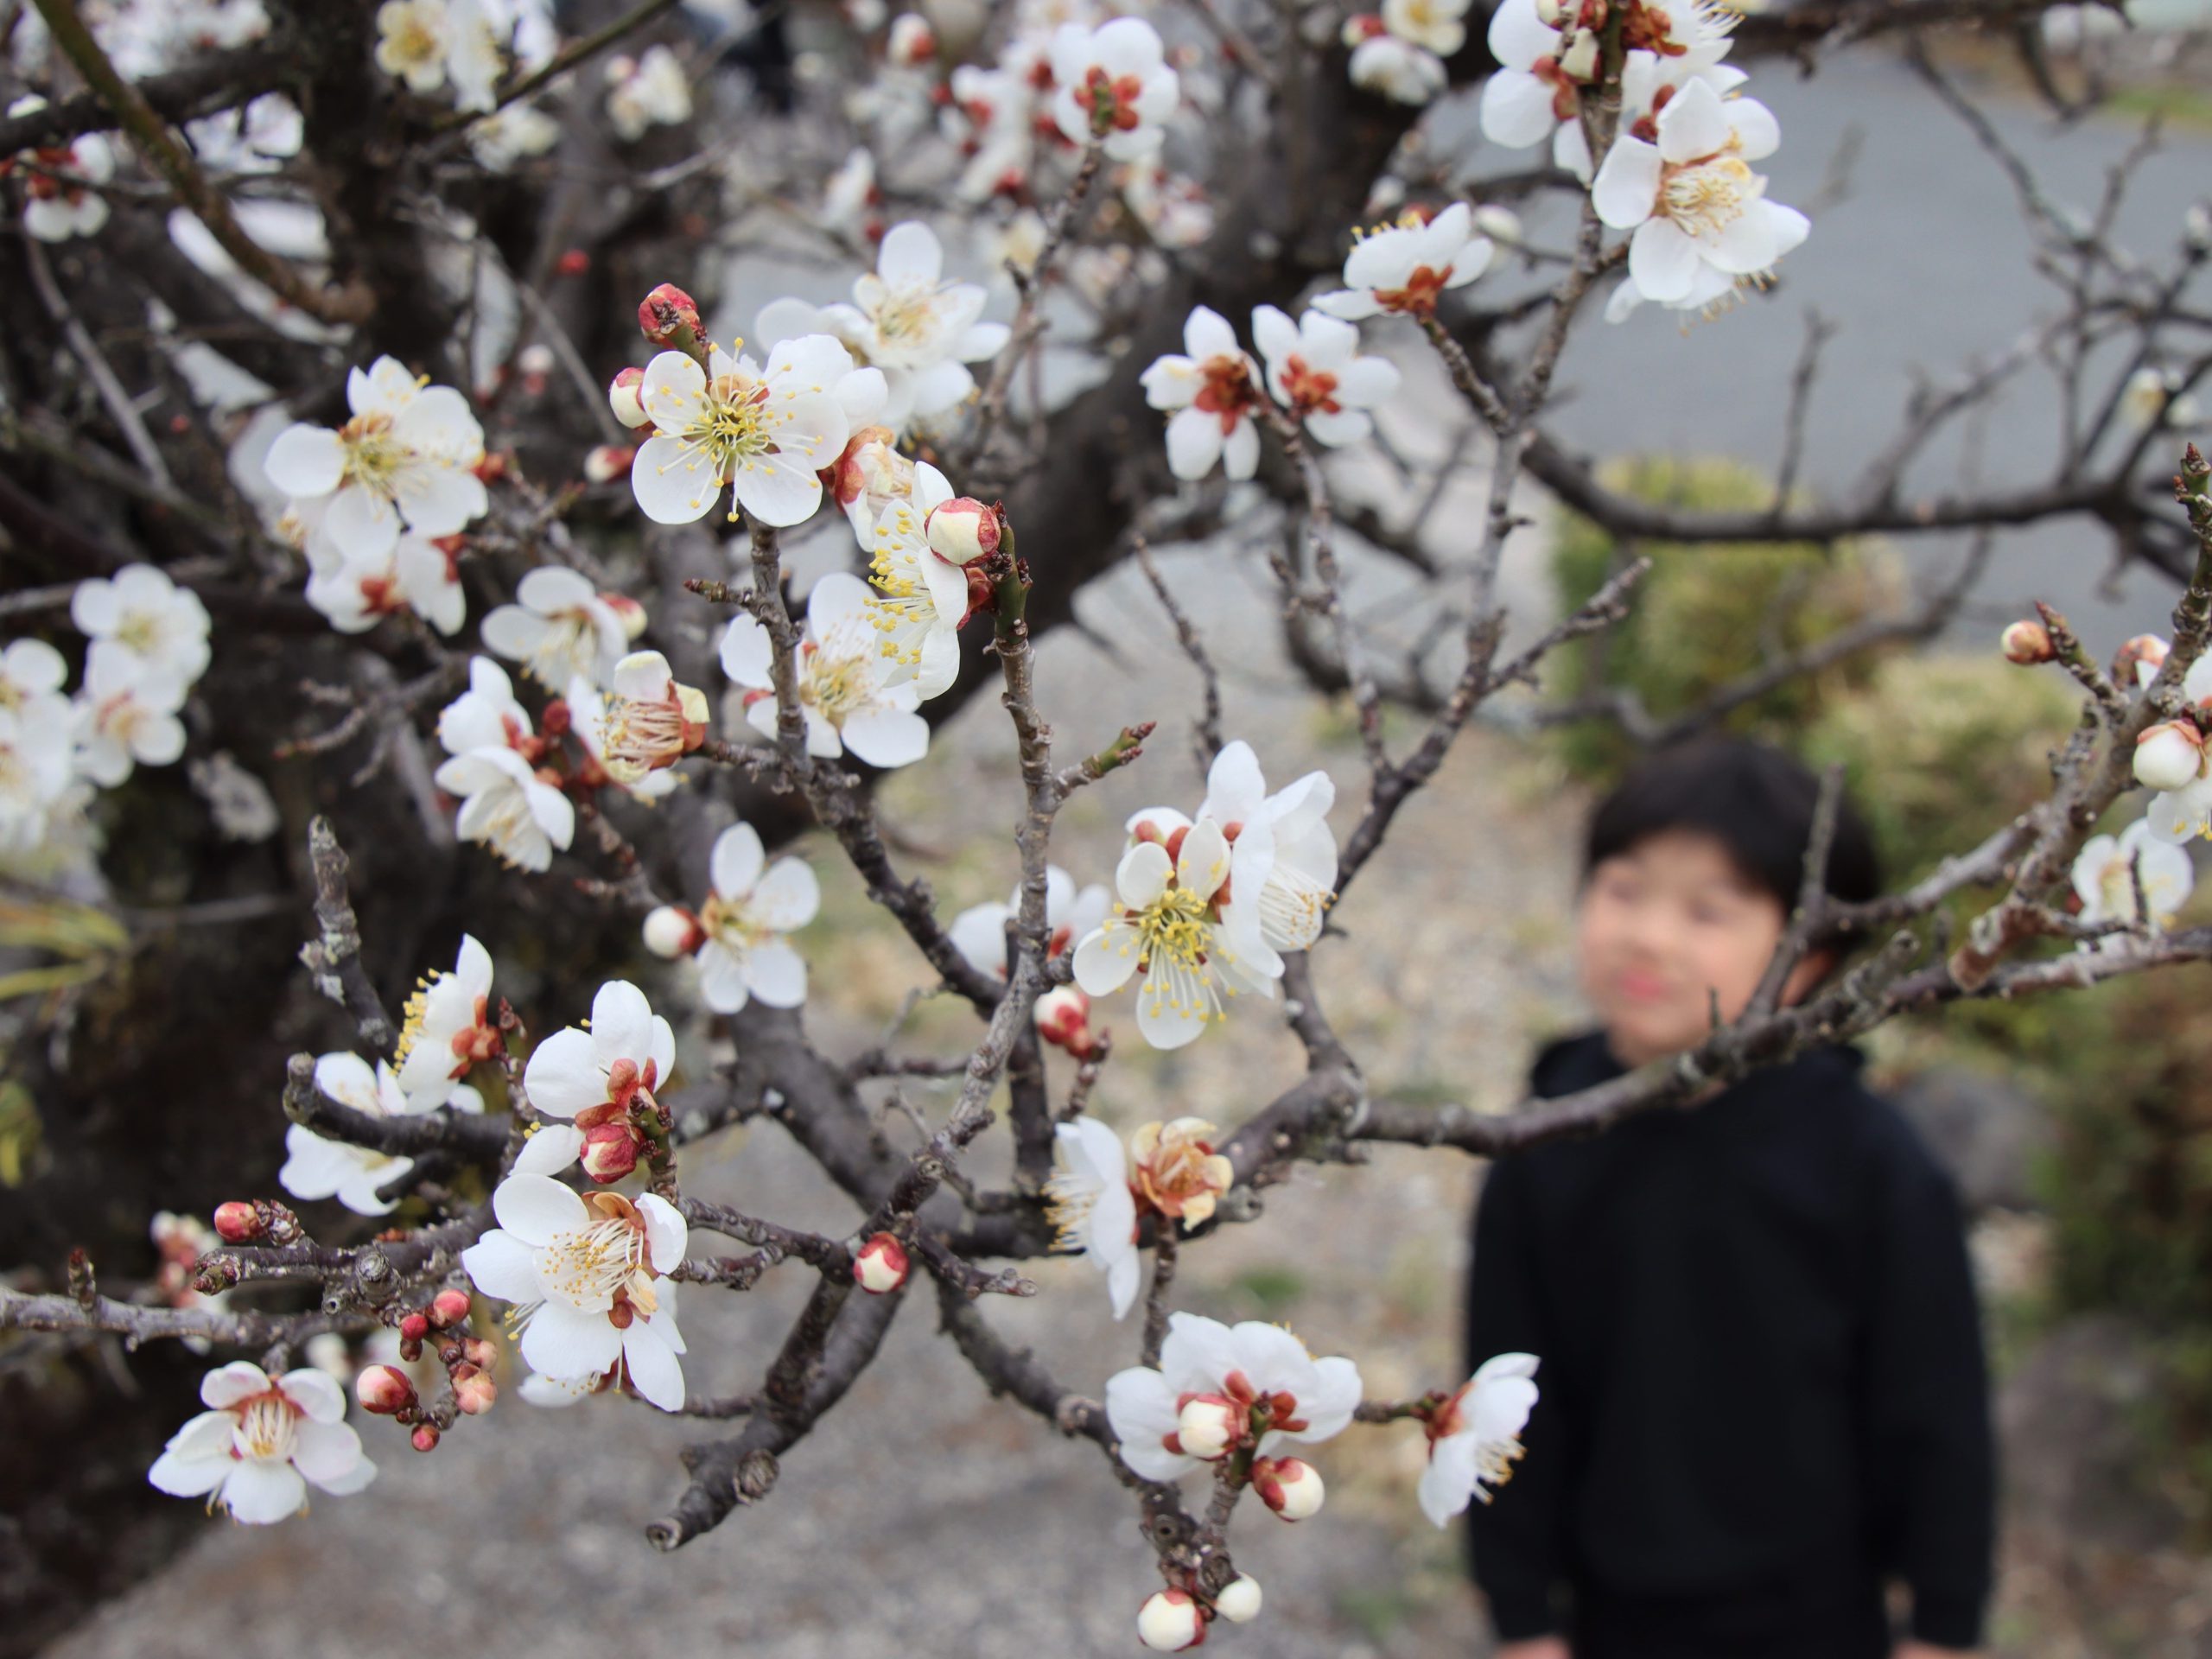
(141, 630)
(1112, 103)
(1174, 928)
(836, 684)
(372, 455)
(1418, 297)
(1703, 197)
(730, 921)
(1311, 391)
(587, 1268)
(1227, 391)
(268, 1425)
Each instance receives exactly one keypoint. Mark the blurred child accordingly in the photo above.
(1763, 1391)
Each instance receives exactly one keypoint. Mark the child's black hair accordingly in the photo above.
(1757, 801)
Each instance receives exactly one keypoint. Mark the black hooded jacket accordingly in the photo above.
(1762, 1383)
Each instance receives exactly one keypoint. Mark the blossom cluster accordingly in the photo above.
(147, 646)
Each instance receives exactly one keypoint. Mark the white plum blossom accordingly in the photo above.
(2169, 758)
(1530, 95)
(1700, 217)
(585, 1275)
(743, 951)
(848, 194)
(511, 135)
(1315, 371)
(427, 42)
(589, 710)
(844, 690)
(1279, 1392)
(261, 1441)
(2155, 396)
(412, 574)
(35, 770)
(31, 672)
(906, 321)
(1113, 84)
(645, 91)
(164, 626)
(1167, 926)
(56, 206)
(1212, 387)
(1436, 25)
(2107, 869)
(406, 457)
(1402, 268)
(448, 1025)
(1390, 67)
(126, 714)
(596, 1076)
(762, 435)
(1474, 1436)
(921, 597)
(979, 932)
(319, 1168)
(1294, 872)
(652, 720)
(506, 806)
(486, 715)
(1091, 1207)
(561, 626)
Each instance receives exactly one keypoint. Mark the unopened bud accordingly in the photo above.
(413, 1327)
(1499, 224)
(236, 1221)
(448, 1307)
(1239, 1600)
(2028, 642)
(673, 931)
(605, 463)
(481, 1352)
(961, 530)
(666, 312)
(1289, 1486)
(1362, 28)
(1579, 60)
(911, 42)
(610, 1151)
(2196, 227)
(573, 263)
(2138, 661)
(627, 612)
(1170, 1622)
(2169, 755)
(425, 1437)
(1208, 1426)
(1064, 1019)
(473, 1390)
(880, 1266)
(384, 1390)
(626, 397)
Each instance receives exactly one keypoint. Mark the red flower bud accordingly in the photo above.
(881, 1268)
(666, 312)
(449, 1307)
(384, 1390)
(236, 1221)
(610, 1151)
(413, 1327)
(574, 263)
(425, 1437)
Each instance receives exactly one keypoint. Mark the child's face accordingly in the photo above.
(1664, 929)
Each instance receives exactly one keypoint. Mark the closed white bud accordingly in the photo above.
(880, 1266)
(1208, 1426)
(1170, 1622)
(962, 530)
(1239, 1601)
(672, 932)
(911, 42)
(1579, 60)
(2028, 642)
(1289, 1486)
(623, 398)
(2169, 755)
(605, 463)
(1499, 224)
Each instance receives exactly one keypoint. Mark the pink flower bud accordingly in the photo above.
(881, 1268)
(482, 1353)
(1366, 26)
(1170, 1622)
(673, 931)
(448, 1307)
(627, 612)
(384, 1390)
(961, 530)
(413, 1327)
(2026, 642)
(911, 41)
(1064, 1019)
(425, 1437)
(1289, 1486)
(1209, 1425)
(2138, 661)
(626, 397)
(605, 463)
(236, 1221)
(2169, 755)
(610, 1151)
(1239, 1600)
(474, 1391)
(666, 312)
